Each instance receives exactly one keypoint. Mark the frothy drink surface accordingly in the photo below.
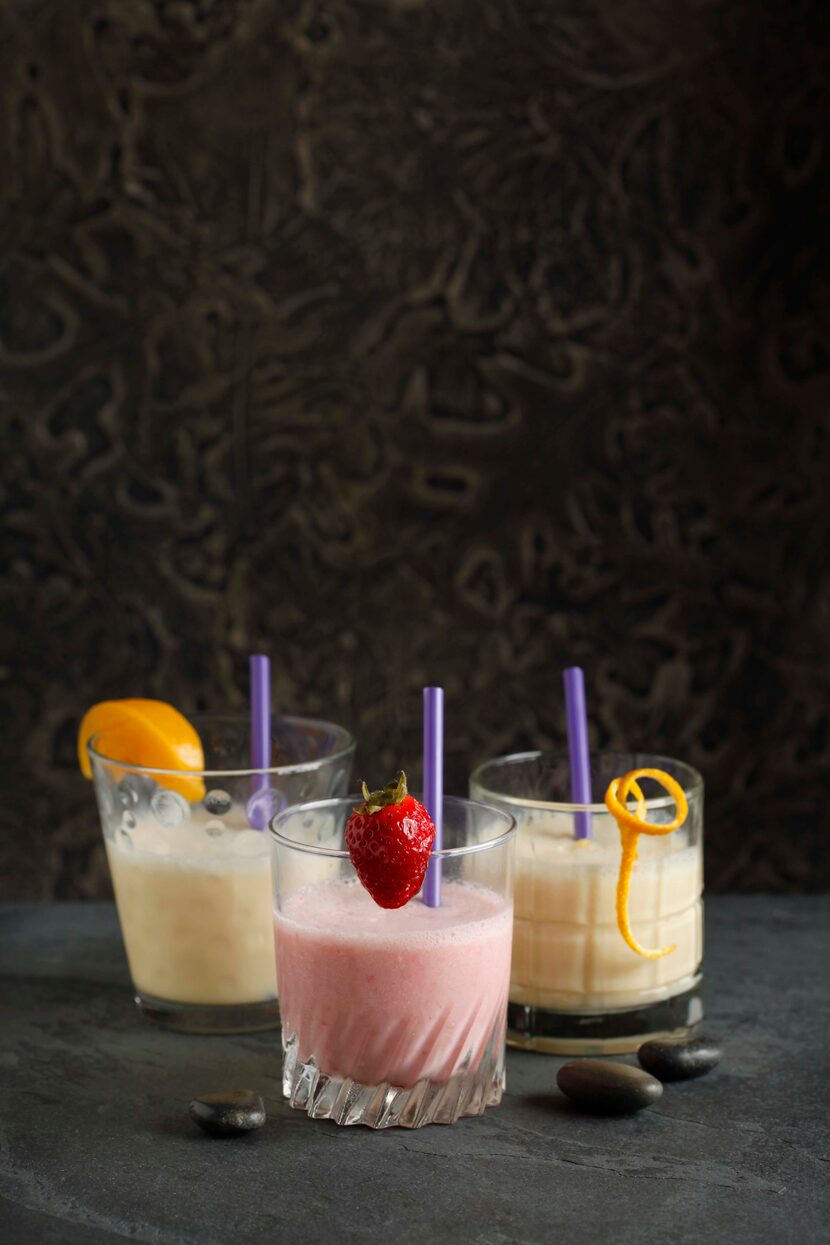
(397, 995)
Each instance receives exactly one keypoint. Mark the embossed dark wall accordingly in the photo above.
(420, 342)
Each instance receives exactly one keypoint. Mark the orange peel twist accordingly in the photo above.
(632, 825)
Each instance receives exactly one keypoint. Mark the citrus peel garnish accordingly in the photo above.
(146, 733)
(632, 825)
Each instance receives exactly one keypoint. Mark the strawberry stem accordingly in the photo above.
(392, 793)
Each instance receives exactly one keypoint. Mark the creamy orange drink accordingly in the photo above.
(183, 818)
(585, 975)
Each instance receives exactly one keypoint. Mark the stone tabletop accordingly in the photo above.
(96, 1145)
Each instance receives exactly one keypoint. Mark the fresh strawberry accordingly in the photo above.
(389, 837)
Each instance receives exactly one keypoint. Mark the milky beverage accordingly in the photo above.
(568, 954)
(396, 995)
(196, 912)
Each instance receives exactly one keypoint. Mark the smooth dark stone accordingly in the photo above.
(228, 1114)
(679, 1059)
(608, 1088)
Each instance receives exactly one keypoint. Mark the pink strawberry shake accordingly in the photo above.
(393, 995)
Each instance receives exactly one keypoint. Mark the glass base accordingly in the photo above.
(603, 1033)
(208, 1018)
(389, 1106)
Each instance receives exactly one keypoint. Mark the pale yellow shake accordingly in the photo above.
(196, 912)
(568, 954)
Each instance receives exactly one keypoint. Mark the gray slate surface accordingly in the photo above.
(96, 1144)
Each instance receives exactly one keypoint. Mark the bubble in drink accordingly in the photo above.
(170, 808)
(215, 828)
(128, 821)
(135, 788)
(122, 838)
(128, 792)
(218, 803)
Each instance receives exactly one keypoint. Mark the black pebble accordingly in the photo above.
(608, 1088)
(679, 1059)
(228, 1114)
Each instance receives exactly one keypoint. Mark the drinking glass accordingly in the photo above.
(393, 1016)
(576, 987)
(191, 869)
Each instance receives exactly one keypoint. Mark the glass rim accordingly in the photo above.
(297, 767)
(342, 853)
(691, 788)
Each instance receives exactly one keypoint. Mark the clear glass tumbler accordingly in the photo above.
(576, 987)
(191, 866)
(393, 1017)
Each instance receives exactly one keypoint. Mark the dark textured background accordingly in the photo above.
(420, 342)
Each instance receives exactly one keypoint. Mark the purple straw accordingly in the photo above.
(434, 786)
(260, 668)
(578, 747)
